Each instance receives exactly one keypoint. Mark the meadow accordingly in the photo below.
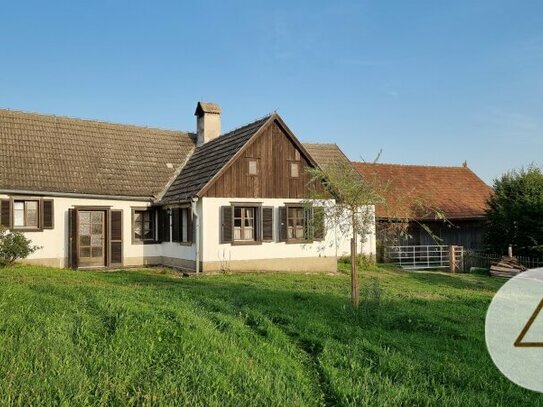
(152, 337)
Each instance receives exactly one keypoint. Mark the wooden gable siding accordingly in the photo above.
(274, 151)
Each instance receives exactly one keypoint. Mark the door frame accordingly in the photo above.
(74, 245)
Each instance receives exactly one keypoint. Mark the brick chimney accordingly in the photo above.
(208, 122)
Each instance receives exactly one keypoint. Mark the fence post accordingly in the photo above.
(452, 259)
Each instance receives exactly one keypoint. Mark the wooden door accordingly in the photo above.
(91, 238)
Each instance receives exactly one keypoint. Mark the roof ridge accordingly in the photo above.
(95, 121)
(236, 129)
(319, 144)
(414, 165)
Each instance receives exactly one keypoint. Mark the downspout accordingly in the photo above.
(197, 234)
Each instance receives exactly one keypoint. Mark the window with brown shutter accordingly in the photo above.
(241, 223)
(25, 214)
(267, 224)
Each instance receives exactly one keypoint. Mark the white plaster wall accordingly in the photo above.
(54, 242)
(336, 243)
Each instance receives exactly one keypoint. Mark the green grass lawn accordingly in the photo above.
(151, 338)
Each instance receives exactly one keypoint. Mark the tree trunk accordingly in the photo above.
(355, 297)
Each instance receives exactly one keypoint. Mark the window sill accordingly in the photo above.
(25, 229)
(144, 242)
(246, 243)
(292, 241)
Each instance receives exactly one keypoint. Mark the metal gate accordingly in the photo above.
(426, 257)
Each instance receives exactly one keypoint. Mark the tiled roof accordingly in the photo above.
(456, 191)
(208, 160)
(325, 154)
(59, 154)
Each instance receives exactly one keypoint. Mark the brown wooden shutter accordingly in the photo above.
(5, 213)
(190, 226)
(48, 216)
(226, 224)
(319, 230)
(177, 225)
(116, 237)
(72, 240)
(267, 224)
(163, 225)
(283, 223)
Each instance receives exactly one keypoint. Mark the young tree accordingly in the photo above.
(353, 211)
(515, 213)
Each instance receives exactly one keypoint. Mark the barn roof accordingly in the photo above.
(457, 192)
(60, 154)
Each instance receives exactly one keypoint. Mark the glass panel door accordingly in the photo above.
(91, 238)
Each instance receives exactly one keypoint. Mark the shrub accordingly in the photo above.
(14, 246)
(364, 261)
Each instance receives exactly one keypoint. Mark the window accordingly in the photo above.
(294, 169)
(253, 167)
(144, 226)
(25, 214)
(182, 228)
(300, 223)
(244, 224)
(296, 223)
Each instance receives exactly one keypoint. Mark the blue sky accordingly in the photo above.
(428, 82)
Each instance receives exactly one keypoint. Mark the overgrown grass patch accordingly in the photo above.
(147, 337)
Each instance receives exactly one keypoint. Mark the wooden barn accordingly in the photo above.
(421, 194)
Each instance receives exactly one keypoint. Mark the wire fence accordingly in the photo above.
(479, 259)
